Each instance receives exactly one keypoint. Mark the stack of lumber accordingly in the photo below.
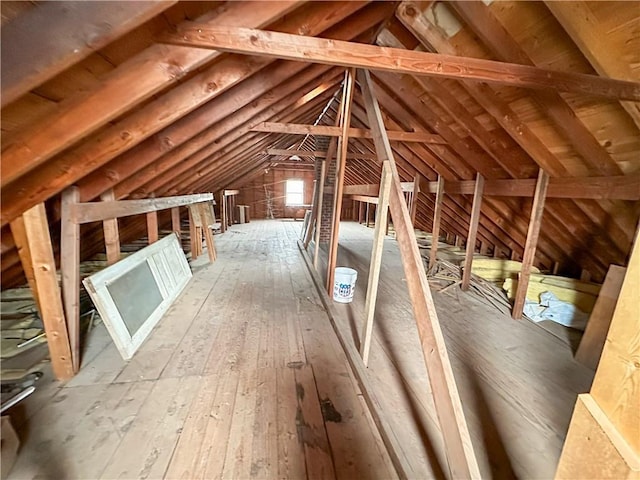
(487, 291)
(581, 294)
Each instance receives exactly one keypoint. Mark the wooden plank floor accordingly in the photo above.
(243, 378)
(518, 383)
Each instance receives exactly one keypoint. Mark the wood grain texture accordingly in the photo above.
(70, 269)
(111, 234)
(595, 334)
(309, 49)
(473, 231)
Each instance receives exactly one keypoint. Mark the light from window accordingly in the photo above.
(295, 192)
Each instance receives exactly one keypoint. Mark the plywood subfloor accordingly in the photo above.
(518, 383)
(243, 378)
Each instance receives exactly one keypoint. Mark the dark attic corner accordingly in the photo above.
(284, 239)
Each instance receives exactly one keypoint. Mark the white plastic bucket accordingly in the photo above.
(344, 284)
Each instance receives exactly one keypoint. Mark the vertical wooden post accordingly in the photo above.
(223, 213)
(435, 231)
(193, 234)
(341, 163)
(414, 198)
(360, 211)
(175, 221)
(484, 247)
(38, 242)
(70, 269)
(533, 232)
(376, 261)
(316, 247)
(152, 227)
(473, 231)
(367, 222)
(111, 233)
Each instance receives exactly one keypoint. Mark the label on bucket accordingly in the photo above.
(342, 290)
(344, 284)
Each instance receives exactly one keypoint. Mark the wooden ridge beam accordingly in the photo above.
(250, 41)
(331, 131)
(458, 447)
(97, 211)
(46, 40)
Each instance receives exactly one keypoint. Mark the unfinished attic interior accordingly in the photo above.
(285, 239)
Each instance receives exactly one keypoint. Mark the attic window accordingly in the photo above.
(294, 192)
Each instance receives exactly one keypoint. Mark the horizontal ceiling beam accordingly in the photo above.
(317, 154)
(350, 54)
(330, 131)
(97, 211)
(625, 187)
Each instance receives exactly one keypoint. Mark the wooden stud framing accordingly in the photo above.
(20, 238)
(376, 261)
(341, 164)
(152, 227)
(356, 55)
(111, 233)
(459, 450)
(414, 198)
(473, 230)
(530, 246)
(70, 270)
(437, 215)
(316, 247)
(38, 242)
(175, 221)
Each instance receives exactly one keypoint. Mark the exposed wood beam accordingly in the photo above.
(365, 199)
(175, 221)
(46, 40)
(624, 187)
(341, 165)
(19, 235)
(535, 222)
(317, 154)
(152, 227)
(373, 189)
(593, 41)
(437, 215)
(250, 41)
(70, 270)
(376, 260)
(330, 131)
(111, 235)
(38, 242)
(473, 231)
(97, 211)
(458, 447)
(129, 84)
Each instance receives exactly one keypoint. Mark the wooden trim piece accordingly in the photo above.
(457, 440)
(376, 261)
(437, 215)
(96, 211)
(70, 270)
(44, 268)
(332, 131)
(473, 230)
(533, 232)
(341, 164)
(46, 40)
(111, 234)
(152, 227)
(592, 342)
(250, 41)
